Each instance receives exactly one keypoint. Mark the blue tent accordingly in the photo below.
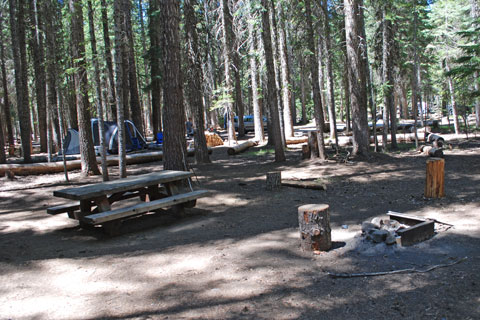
(133, 138)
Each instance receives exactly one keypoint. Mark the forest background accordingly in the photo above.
(160, 62)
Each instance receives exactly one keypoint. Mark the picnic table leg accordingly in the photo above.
(85, 210)
(173, 189)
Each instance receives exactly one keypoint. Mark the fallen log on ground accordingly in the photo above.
(436, 140)
(305, 184)
(56, 167)
(241, 147)
(401, 137)
(296, 140)
(432, 152)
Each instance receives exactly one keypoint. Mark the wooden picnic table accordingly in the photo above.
(157, 190)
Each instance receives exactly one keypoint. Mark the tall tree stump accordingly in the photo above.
(434, 183)
(274, 180)
(313, 144)
(315, 231)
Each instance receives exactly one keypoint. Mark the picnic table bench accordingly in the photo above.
(157, 190)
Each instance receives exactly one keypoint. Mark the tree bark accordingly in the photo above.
(154, 32)
(174, 113)
(387, 79)
(313, 64)
(87, 153)
(195, 77)
(227, 57)
(6, 100)
(121, 81)
(286, 85)
(451, 88)
(257, 111)
(356, 74)
(109, 62)
(37, 48)
(135, 106)
(98, 93)
(17, 26)
(330, 78)
(271, 90)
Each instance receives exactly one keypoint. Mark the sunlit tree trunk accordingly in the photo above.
(356, 74)
(257, 111)
(453, 100)
(227, 57)
(286, 84)
(271, 97)
(109, 63)
(154, 33)
(330, 79)
(98, 93)
(313, 64)
(121, 81)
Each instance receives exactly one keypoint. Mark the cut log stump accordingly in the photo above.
(274, 180)
(315, 231)
(306, 152)
(434, 183)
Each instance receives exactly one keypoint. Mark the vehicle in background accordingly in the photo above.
(249, 123)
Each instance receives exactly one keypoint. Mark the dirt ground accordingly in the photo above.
(237, 254)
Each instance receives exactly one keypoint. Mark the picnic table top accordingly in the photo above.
(130, 183)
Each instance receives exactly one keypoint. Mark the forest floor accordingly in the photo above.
(237, 254)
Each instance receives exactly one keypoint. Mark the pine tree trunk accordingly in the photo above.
(154, 33)
(303, 96)
(451, 88)
(6, 101)
(271, 97)
(194, 77)
(317, 99)
(108, 59)
(87, 153)
(98, 93)
(276, 64)
(387, 67)
(174, 146)
(51, 60)
(120, 84)
(36, 46)
(257, 111)
(147, 107)
(17, 26)
(356, 74)
(227, 56)
(286, 82)
(135, 106)
(330, 78)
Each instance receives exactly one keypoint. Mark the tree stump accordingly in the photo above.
(306, 152)
(434, 183)
(274, 180)
(313, 144)
(315, 232)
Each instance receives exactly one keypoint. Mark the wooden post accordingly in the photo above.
(315, 232)
(434, 183)
(306, 152)
(274, 180)
(313, 144)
